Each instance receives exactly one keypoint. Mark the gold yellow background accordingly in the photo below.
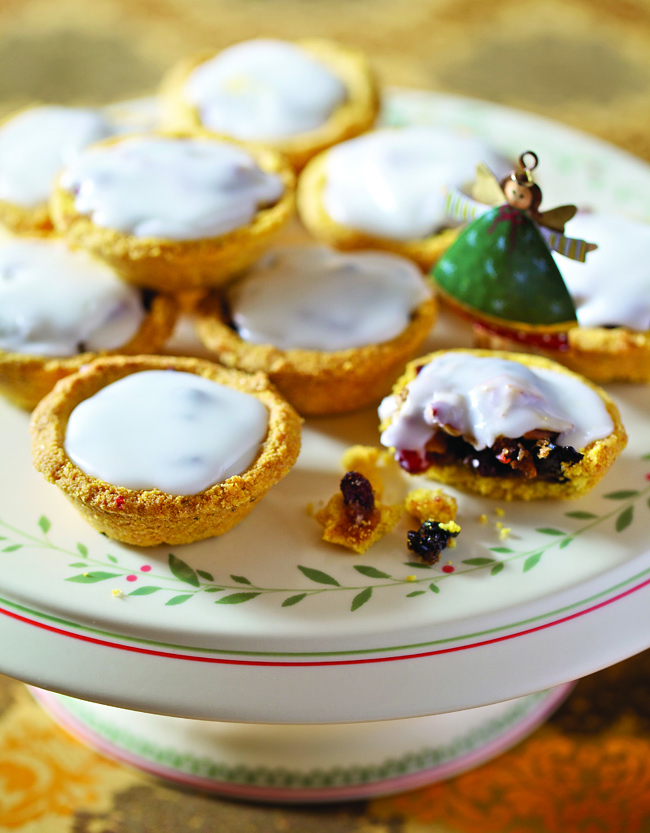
(582, 62)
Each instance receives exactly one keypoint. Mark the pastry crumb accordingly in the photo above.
(431, 504)
(116, 592)
(353, 518)
(367, 460)
(504, 532)
(453, 528)
(356, 535)
(309, 509)
(499, 511)
(411, 578)
(482, 519)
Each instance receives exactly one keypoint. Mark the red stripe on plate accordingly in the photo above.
(302, 663)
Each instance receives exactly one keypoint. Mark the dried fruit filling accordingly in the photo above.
(358, 497)
(535, 455)
(431, 539)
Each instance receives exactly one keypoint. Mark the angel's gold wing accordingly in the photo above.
(486, 188)
(556, 218)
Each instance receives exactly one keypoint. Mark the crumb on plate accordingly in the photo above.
(368, 460)
(431, 504)
(352, 517)
(431, 539)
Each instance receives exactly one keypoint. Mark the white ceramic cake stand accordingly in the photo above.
(269, 665)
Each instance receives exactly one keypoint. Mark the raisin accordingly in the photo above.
(486, 464)
(550, 458)
(429, 541)
(358, 495)
(226, 314)
(148, 296)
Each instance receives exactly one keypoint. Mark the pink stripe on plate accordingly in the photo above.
(297, 795)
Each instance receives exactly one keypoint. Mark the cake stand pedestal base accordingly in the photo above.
(303, 763)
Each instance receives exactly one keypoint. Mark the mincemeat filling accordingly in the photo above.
(535, 455)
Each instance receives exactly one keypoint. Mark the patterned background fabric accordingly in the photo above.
(582, 62)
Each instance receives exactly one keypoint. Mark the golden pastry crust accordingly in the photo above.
(311, 208)
(26, 379)
(26, 221)
(581, 477)
(317, 382)
(354, 116)
(180, 265)
(431, 504)
(150, 517)
(602, 355)
(371, 462)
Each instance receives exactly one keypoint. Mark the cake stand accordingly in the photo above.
(271, 666)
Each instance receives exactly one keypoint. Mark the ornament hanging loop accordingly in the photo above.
(527, 168)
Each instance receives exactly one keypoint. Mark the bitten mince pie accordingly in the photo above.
(505, 425)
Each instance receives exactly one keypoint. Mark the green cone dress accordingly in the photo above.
(500, 269)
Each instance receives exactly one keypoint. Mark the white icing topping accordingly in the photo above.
(59, 302)
(482, 398)
(319, 299)
(613, 286)
(167, 430)
(391, 183)
(179, 189)
(264, 89)
(36, 144)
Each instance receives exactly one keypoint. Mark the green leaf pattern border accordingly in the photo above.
(181, 583)
(281, 777)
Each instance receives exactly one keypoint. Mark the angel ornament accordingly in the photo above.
(500, 270)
